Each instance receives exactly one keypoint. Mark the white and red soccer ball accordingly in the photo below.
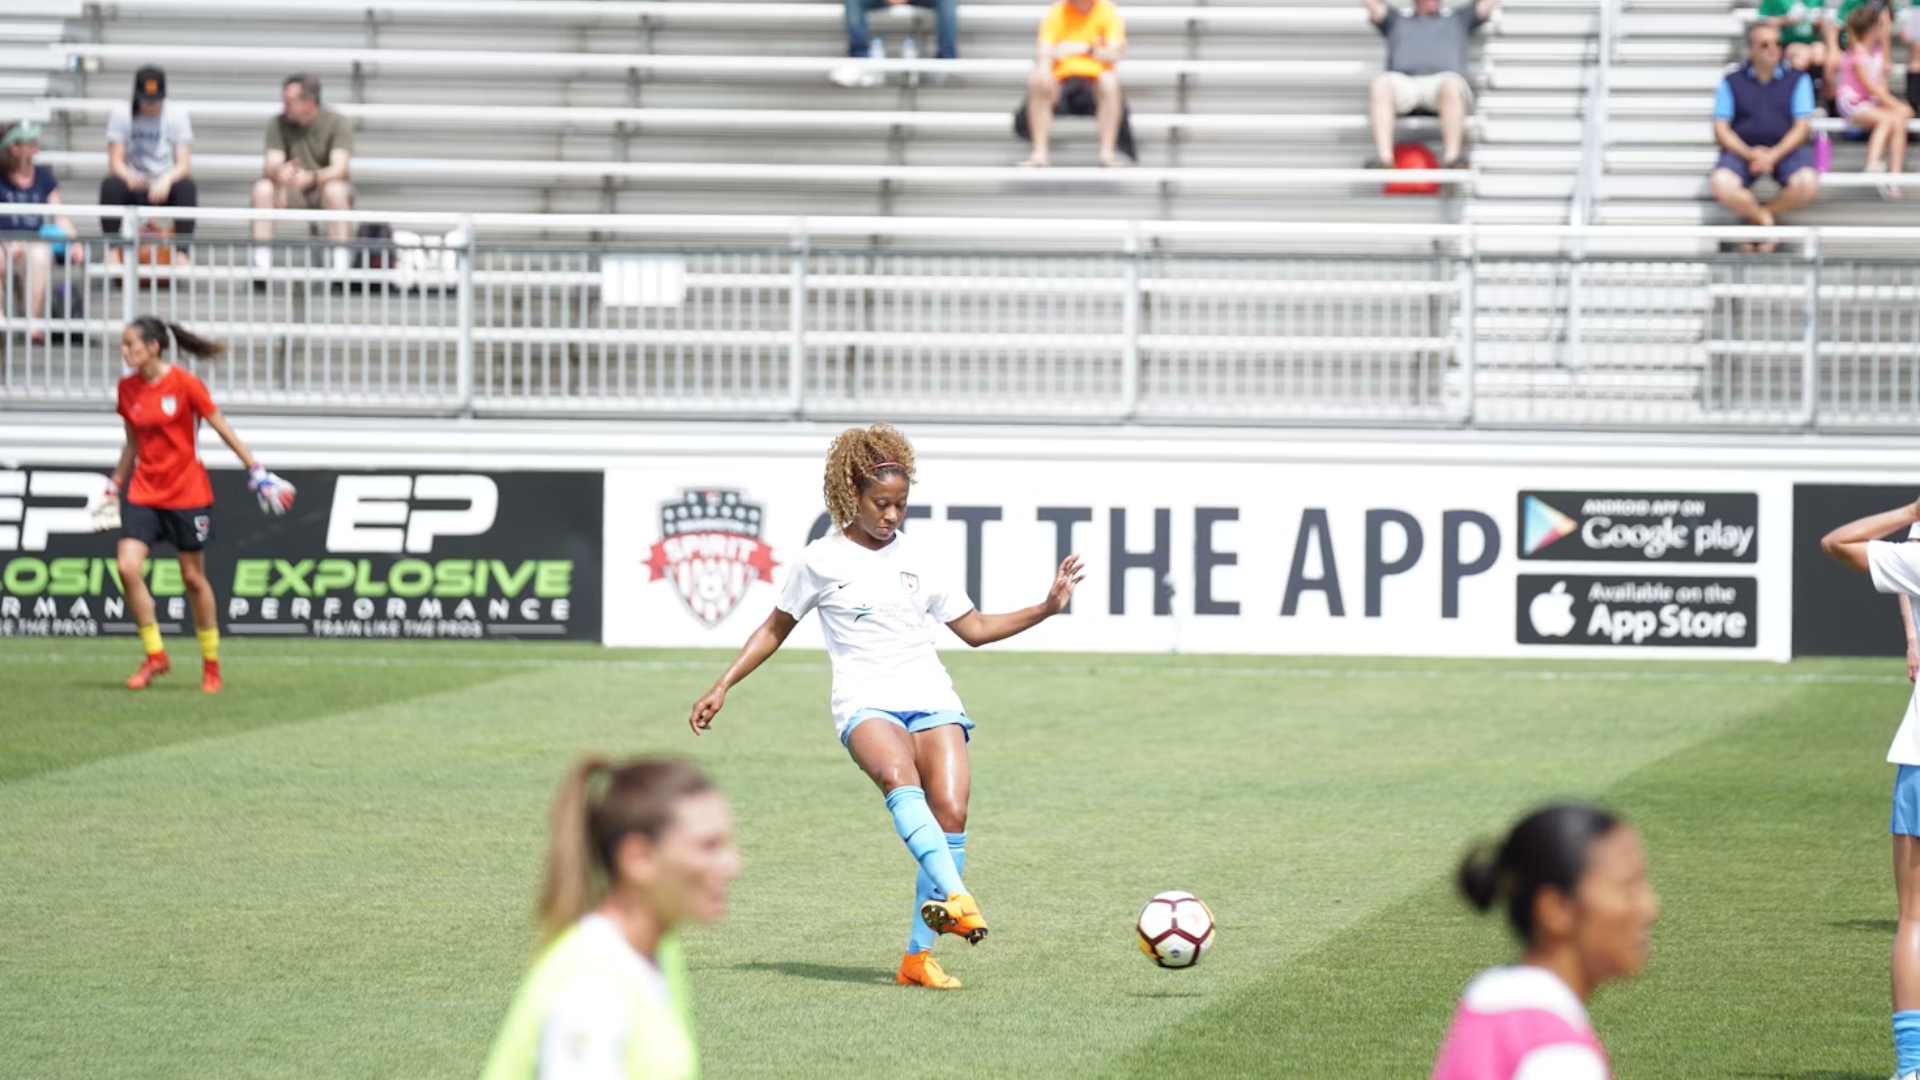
(1175, 929)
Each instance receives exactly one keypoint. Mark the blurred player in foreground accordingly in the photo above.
(893, 701)
(1895, 568)
(170, 498)
(1574, 881)
(607, 999)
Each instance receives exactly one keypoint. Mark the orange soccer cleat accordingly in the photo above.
(957, 914)
(210, 681)
(920, 969)
(155, 665)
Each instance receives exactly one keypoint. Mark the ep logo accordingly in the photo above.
(24, 527)
(375, 513)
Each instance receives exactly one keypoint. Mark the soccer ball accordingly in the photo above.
(1175, 929)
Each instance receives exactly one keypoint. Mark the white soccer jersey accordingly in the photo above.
(1896, 569)
(879, 611)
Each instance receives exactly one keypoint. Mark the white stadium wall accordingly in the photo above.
(1418, 544)
(1236, 557)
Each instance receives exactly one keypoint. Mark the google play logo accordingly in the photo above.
(1544, 525)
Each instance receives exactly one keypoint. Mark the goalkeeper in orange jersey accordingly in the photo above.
(167, 496)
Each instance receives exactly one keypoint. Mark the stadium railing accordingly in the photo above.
(1148, 321)
(531, 117)
(247, 166)
(1301, 18)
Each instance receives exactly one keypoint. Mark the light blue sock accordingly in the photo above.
(1906, 1041)
(922, 937)
(915, 824)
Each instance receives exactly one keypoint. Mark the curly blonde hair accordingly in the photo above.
(850, 466)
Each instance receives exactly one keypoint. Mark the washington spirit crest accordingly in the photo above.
(710, 548)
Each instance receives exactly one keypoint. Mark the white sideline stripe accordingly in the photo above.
(1705, 677)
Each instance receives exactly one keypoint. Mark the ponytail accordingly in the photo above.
(584, 841)
(170, 336)
(569, 890)
(1547, 849)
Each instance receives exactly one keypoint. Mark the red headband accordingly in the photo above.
(882, 465)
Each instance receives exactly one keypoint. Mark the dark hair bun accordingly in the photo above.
(1479, 881)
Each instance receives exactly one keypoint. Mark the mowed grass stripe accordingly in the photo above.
(1769, 851)
(62, 713)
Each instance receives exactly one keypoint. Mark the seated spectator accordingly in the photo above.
(308, 151)
(1760, 115)
(1080, 42)
(1426, 72)
(1802, 31)
(860, 43)
(29, 256)
(1863, 97)
(150, 157)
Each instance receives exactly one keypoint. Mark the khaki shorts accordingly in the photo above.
(1422, 92)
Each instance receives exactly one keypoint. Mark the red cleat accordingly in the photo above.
(157, 664)
(210, 682)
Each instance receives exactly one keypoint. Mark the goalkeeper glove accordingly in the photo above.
(275, 494)
(105, 508)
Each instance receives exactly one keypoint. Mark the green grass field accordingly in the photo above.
(328, 870)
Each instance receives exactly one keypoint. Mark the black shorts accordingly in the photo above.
(1078, 96)
(186, 530)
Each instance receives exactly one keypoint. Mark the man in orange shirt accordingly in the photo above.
(1080, 42)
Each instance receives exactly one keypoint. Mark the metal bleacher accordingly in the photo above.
(677, 213)
(579, 105)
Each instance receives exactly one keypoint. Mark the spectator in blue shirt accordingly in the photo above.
(1760, 118)
(21, 181)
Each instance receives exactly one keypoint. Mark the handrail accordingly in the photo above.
(697, 225)
(248, 166)
(499, 62)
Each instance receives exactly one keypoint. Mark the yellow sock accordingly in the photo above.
(210, 645)
(150, 637)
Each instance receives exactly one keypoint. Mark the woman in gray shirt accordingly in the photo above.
(150, 155)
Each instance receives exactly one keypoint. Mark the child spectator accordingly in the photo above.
(1863, 97)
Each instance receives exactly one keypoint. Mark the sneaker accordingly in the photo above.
(920, 969)
(210, 679)
(1378, 163)
(859, 78)
(957, 914)
(155, 665)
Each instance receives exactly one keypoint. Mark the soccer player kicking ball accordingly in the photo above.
(1895, 568)
(170, 499)
(893, 703)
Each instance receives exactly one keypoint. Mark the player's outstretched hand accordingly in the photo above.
(275, 494)
(1072, 572)
(706, 709)
(105, 508)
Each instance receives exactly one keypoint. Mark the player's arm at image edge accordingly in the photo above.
(1858, 547)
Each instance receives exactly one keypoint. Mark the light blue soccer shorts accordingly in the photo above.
(1906, 802)
(911, 722)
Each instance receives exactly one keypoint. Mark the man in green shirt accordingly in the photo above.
(308, 148)
(1801, 26)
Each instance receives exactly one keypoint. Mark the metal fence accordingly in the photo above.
(1080, 321)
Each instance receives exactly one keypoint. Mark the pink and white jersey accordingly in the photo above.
(1520, 1023)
